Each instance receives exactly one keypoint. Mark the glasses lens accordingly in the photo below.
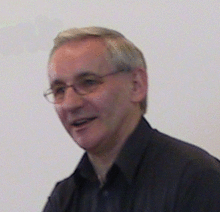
(84, 85)
(87, 84)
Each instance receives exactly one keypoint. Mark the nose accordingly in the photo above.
(72, 99)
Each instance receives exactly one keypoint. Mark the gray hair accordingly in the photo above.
(122, 53)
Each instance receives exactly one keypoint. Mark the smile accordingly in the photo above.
(81, 122)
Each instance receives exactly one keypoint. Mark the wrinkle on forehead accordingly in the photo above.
(88, 50)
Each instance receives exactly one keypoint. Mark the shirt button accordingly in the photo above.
(105, 193)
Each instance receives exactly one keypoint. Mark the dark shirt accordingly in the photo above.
(153, 173)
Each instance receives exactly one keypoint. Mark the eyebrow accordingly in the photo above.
(56, 82)
(81, 75)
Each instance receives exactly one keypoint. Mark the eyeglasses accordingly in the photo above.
(85, 84)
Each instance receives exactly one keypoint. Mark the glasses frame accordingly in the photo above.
(50, 91)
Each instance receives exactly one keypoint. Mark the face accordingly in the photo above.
(98, 120)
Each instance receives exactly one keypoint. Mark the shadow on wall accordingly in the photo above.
(30, 37)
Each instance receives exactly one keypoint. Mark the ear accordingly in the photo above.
(139, 85)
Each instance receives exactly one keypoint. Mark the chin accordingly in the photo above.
(88, 143)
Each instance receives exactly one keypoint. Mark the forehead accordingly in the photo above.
(75, 57)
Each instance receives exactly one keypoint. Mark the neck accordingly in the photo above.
(103, 161)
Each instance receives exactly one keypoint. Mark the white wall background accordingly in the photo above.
(180, 40)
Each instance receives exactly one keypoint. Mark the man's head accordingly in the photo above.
(99, 81)
(121, 53)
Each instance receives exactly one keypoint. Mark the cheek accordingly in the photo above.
(107, 102)
(101, 98)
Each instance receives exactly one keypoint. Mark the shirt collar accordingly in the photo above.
(85, 169)
(127, 160)
(133, 150)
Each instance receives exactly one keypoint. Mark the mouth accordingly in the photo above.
(82, 122)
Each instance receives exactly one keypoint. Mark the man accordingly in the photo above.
(98, 83)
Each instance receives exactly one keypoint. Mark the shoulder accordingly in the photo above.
(64, 185)
(167, 156)
(64, 188)
(171, 155)
(180, 173)
(177, 151)
(62, 195)
(171, 161)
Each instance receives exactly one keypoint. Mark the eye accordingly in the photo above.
(89, 81)
(58, 90)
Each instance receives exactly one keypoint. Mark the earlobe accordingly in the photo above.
(139, 84)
